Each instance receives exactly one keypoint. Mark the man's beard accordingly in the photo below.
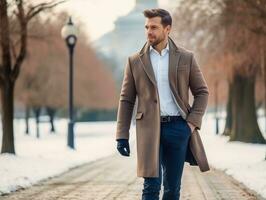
(156, 42)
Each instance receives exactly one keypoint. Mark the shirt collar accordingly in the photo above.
(165, 49)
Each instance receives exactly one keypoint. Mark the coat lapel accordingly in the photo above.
(146, 63)
(174, 57)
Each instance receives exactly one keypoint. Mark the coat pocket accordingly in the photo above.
(139, 115)
(183, 67)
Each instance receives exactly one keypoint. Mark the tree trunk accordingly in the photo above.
(264, 67)
(7, 103)
(51, 112)
(244, 119)
(27, 116)
(9, 73)
(37, 111)
(228, 122)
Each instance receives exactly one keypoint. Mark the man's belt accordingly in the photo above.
(170, 118)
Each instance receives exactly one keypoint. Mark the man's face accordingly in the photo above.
(155, 31)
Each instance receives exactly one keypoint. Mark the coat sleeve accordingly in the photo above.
(199, 90)
(126, 103)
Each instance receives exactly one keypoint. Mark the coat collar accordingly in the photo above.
(174, 55)
(163, 50)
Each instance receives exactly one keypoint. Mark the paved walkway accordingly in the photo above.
(114, 177)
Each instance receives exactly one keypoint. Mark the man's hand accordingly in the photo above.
(191, 126)
(123, 147)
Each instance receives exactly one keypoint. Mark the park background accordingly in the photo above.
(227, 37)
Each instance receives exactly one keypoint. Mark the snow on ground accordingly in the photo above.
(38, 159)
(243, 161)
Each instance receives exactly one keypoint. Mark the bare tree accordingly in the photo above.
(45, 73)
(228, 33)
(13, 54)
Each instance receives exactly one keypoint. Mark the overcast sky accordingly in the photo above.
(89, 11)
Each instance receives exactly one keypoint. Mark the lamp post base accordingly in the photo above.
(217, 125)
(70, 136)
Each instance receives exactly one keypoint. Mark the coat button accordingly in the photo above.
(155, 100)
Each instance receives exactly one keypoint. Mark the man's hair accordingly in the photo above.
(166, 18)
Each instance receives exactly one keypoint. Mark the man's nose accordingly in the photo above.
(149, 32)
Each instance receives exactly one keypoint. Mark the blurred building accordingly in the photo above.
(127, 37)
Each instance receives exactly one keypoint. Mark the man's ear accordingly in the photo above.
(168, 28)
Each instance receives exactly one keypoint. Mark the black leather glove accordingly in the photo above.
(123, 147)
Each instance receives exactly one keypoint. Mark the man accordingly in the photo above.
(160, 75)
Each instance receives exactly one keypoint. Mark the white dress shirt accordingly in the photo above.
(160, 64)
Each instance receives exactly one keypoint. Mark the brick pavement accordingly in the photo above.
(114, 178)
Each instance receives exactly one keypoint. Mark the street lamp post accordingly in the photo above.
(216, 106)
(69, 34)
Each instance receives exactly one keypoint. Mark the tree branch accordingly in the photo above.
(23, 22)
(13, 49)
(23, 40)
(34, 10)
(1, 75)
(5, 38)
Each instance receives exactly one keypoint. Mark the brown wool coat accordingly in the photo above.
(139, 81)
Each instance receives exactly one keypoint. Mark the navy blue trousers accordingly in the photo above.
(173, 146)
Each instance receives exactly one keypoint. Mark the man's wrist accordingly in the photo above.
(191, 126)
(119, 140)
